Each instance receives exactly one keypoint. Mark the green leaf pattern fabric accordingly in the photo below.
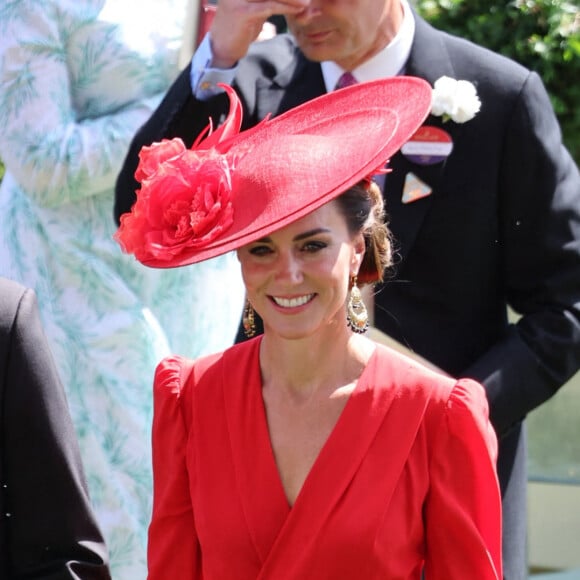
(77, 79)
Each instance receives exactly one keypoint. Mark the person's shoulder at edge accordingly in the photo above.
(31, 391)
(8, 286)
(9, 283)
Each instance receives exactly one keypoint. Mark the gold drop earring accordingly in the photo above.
(357, 316)
(248, 320)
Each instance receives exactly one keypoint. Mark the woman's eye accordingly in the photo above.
(260, 250)
(314, 246)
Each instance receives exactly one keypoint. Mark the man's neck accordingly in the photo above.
(387, 62)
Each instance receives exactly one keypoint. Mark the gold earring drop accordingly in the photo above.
(357, 316)
(248, 320)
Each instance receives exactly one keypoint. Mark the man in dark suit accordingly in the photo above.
(487, 215)
(47, 528)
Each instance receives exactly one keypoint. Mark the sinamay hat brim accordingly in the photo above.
(289, 166)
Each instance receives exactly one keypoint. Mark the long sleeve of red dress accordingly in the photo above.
(173, 549)
(463, 530)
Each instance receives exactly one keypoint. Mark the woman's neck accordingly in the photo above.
(315, 364)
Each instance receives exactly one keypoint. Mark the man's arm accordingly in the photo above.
(540, 213)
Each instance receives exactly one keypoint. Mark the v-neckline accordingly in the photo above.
(275, 529)
(328, 443)
(268, 514)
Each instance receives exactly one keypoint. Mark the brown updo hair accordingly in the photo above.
(363, 209)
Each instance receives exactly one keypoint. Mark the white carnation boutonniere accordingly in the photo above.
(455, 100)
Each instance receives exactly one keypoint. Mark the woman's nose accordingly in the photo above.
(289, 268)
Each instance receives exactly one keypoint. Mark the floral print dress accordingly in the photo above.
(77, 79)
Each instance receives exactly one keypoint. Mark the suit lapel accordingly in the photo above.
(429, 60)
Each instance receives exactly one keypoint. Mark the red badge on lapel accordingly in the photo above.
(428, 145)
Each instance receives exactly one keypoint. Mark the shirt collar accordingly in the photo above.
(389, 62)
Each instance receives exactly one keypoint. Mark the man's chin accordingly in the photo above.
(320, 53)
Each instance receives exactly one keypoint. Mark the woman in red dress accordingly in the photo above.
(309, 452)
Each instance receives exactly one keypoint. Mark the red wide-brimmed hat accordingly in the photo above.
(233, 188)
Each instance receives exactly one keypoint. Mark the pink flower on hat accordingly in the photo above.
(185, 198)
(184, 202)
(151, 157)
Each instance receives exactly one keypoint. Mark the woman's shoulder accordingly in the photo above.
(175, 374)
(417, 376)
(443, 404)
(406, 368)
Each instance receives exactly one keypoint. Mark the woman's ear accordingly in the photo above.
(359, 251)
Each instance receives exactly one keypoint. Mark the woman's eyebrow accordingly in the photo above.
(302, 236)
(311, 233)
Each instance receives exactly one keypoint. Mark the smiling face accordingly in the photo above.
(297, 278)
(348, 32)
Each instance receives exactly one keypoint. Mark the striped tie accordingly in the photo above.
(346, 80)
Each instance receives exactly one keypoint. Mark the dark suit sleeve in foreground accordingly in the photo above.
(48, 523)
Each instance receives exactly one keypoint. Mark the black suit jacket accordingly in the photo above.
(501, 227)
(47, 528)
